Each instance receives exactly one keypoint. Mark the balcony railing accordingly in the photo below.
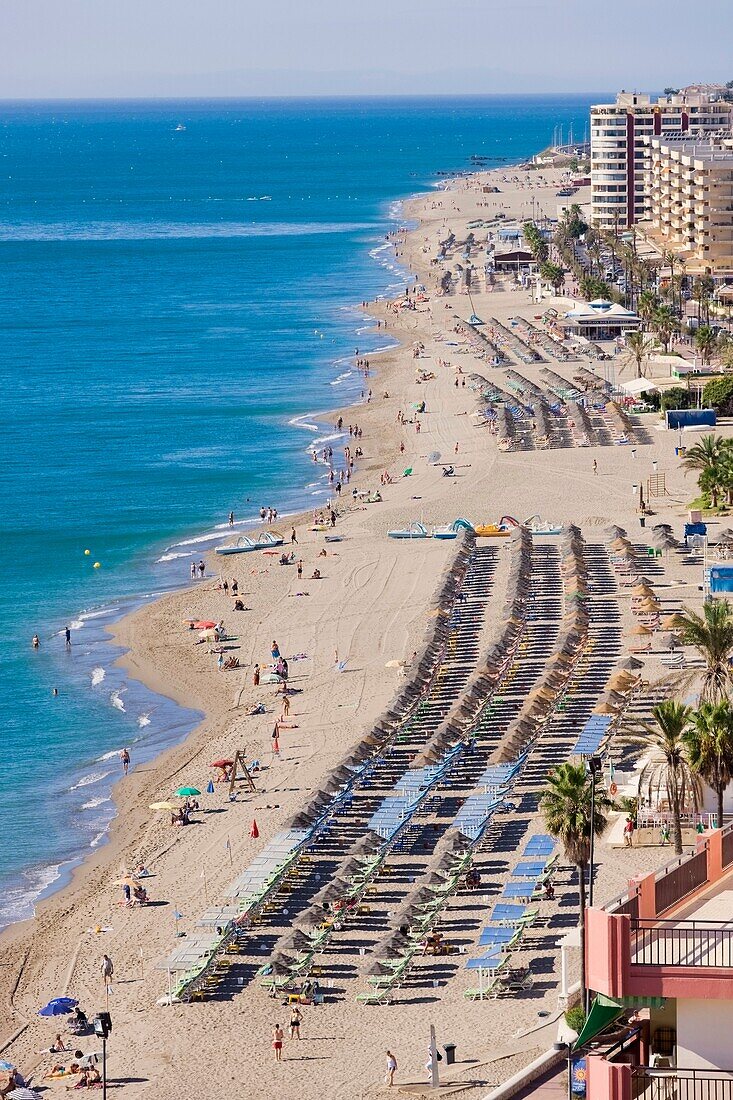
(681, 943)
(681, 1084)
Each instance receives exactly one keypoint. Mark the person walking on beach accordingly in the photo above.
(235, 587)
(231, 519)
(300, 569)
(391, 1069)
(295, 1018)
(256, 676)
(125, 760)
(275, 650)
(107, 971)
(595, 468)
(193, 570)
(293, 538)
(277, 1042)
(202, 568)
(67, 632)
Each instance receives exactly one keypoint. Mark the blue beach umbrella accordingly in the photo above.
(210, 787)
(6, 1067)
(59, 1006)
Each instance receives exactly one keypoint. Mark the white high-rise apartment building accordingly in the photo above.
(620, 143)
(690, 200)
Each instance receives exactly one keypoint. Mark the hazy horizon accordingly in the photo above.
(232, 49)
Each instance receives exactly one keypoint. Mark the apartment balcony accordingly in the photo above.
(670, 935)
(608, 1080)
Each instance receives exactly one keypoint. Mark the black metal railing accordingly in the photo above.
(676, 882)
(728, 845)
(681, 1084)
(681, 943)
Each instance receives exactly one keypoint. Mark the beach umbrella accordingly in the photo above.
(162, 806)
(641, 630)
(221, 763)
(254, 832)
(605, 708)
(59, 1006)
(295, 940)
(187, 792)
(631, 664)
(6, 1067)
(201, 624)
(210, 787)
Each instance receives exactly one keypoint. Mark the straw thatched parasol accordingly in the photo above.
(640, 630)
(631, 664)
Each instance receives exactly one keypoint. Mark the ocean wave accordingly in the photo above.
(108, 756)
(17, 901)
(327, 438)
(143, 720)
(116, 700)
(98, 839)
(341, 378)
(102, 613)
(301, 422)
(174, 557)
(98, 674)
(90, 779)
(94, 802)
(134, 231)
(198, 539)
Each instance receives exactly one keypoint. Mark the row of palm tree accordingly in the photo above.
(686, 748)
(712, 460)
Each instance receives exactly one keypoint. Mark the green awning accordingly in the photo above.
(603, 1012)
(643, 1002)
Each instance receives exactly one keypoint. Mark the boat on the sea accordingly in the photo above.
(414, 530)
(179, 128)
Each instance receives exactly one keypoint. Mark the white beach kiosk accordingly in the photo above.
(599, 320)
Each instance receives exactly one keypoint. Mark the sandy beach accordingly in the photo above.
(346, 635)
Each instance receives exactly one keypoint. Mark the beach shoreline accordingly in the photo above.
(368, 612)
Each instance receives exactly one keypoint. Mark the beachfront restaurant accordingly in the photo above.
(599, 320)
(516, 260)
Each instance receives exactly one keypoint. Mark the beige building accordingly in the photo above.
(689, 200)
(620, 134)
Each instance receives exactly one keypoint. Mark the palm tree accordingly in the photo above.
(667, 771)
(566, 806)
(647, 305)
(709, 743)
(664, 324)
(711, 634)
(640, 347)
(706, 457)
(705, 341)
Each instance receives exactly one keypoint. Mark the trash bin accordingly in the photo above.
(642, 521)
(450, 1053)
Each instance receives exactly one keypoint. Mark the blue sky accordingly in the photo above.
(81, 48)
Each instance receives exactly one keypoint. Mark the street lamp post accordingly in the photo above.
(102, 1024)
(594, 766)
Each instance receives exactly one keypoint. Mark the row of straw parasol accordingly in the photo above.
(569, 645)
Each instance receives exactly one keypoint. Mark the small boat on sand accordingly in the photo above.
(415, 530)
(243, 545)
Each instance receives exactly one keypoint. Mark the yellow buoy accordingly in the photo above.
(97, 565)
(87, 553)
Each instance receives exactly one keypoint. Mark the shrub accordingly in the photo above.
(718, 395)
(575, 1018)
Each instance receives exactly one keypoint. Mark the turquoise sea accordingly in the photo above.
(179, 290)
